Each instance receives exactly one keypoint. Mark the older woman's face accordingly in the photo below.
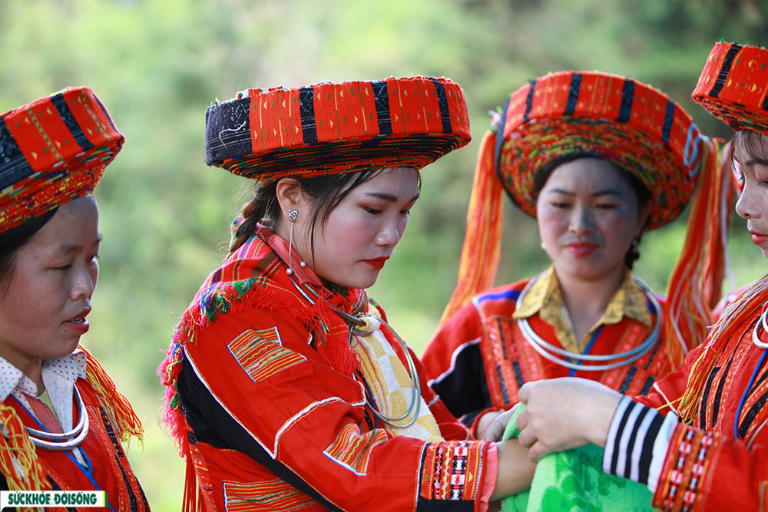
(588, 216)
(43, 312)
(750, 163)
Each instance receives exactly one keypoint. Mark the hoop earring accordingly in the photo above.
(293, 214)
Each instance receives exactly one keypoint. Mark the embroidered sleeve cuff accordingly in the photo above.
(637, 442)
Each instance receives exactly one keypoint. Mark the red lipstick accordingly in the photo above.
(580, 249)
(80, 323)
(758, 239)
(377, 263)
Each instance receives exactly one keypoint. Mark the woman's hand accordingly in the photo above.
(497, 425)
(565, 413)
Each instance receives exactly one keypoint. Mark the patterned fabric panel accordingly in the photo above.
(205, 488)
(451, 471)
(732, 86)
(330, 128)
(679, 489)
(261, 353)
(352, 450)
(265, 496)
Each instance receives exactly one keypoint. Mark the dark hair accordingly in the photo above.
(14, 239)
(325, 193)
(755, 143)
(642, 193)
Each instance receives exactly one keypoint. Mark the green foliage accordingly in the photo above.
(158, 64)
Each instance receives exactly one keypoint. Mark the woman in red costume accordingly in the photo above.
(287, 388)
(63, 420)
(698, 440)
(597, 159)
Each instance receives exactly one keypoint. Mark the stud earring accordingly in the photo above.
(293, 214)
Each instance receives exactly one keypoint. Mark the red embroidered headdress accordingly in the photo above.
(52, 151)
(733, 86)
(607, 116)
(589, 114)
(328, 128)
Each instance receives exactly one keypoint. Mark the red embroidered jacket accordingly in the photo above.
(480, 358)
(270, 423)
(721, 461)
(107, 465)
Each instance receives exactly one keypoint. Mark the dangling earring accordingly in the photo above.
(293, 214)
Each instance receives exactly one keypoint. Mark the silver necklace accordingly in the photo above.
(755, 336)
(59, 442)
(612, 361)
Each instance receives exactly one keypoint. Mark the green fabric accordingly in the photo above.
(574, 480)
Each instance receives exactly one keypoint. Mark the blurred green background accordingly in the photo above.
(157, 65)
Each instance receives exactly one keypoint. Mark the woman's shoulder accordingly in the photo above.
(508, 293)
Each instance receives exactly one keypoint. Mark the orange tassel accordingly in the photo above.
(482, 249)
(732, 324)
(694, 286)
(126, 420)
(18, 459)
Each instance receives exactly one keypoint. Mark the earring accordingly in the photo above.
(543, 246)
(635, 242)
(293, 214)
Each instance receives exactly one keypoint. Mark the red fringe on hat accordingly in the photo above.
(694, 286)
(481, 251)
(732, 325)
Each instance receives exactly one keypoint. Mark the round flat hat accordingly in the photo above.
(52, 151)
(329, 128)
(607, 116)
(733, 86)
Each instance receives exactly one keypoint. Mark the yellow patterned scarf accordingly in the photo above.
(390, 383)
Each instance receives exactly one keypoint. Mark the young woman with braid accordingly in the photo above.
(287, 388)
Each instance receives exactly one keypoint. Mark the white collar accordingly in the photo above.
(59, 377)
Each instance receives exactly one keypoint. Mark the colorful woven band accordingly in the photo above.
(733, 86)
(607, 116)
(52, 151)
(334, 128)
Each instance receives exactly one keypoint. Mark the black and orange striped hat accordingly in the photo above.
(52, 151)
(733, 86)
(607, 116)
(330, 128)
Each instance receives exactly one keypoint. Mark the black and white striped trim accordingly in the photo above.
(637, 442)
